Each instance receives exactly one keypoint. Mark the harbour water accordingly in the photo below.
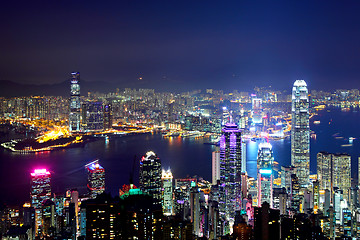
(185, 157)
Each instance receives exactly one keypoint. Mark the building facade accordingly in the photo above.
(96, 178)
(167, 192)
(40, 191)
(150, 176)
(265, 163)
(300, 132)
(230, 173)
(75, 115)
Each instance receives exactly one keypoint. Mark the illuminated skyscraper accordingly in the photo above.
(107, 116)
(96, 178)
(74, 117)
(215, 167)
(92, 116)
(265, 163)
(230, 172)
(334, 171)
(167, 192)
(150, 176)
(300, 132)
(257, 110)
(40, 191)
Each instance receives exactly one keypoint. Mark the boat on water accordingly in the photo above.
(346, 145)
(316, 122)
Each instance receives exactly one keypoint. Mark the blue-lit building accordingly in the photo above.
(265, 163)
(96, 178)
(230, 173)
(75, 116)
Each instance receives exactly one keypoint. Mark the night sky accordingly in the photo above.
(193, 44)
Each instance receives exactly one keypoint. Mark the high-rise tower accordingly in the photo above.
(74, 117)
(96, 178)
(300, 132)
(167, 192)
(265, 163)
(230, 172)
(150, 176)
(40, 191)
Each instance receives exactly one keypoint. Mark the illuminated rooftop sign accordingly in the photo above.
(40, 172)
(265, 171)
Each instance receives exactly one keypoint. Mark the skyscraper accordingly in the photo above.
(150, 176)
(92, 116)
(96, 178)
(167, 192)
(215, 167)
(265, 163)
(40, 191)
(74, 117)
(300, 132)
(334, 171)
(230, 173)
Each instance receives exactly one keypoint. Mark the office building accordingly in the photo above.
(40, 191)
(96, 178)
(108, 117)
(74, 117)
(334, 171)
(215, 167)
(256, 110)
(300, 132)
(150, 176)
(265, 163)
(92, 116)
(266, 223)
(167, 192)
(230, 173)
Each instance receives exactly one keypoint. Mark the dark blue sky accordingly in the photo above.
(183, 44)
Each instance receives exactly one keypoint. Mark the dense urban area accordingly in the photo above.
(280, 202)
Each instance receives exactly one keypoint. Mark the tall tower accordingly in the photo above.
(40, 191)
(74, 117)
(167, 192)
(96, 178)
(265, 163)
(230, 172)
(300, 132)
(150, 176)
(334, 171)
(215, 167)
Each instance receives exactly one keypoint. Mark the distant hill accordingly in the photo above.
(12, 89)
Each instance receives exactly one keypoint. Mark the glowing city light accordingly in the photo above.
(40, 172)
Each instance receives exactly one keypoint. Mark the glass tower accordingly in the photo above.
(300, 132)
(265, 163)
(230, 173)
(40, 191)
(96, 178)
(167, 192)
(150, 176)
(74, 117)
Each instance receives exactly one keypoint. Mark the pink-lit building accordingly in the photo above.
(96, 178)
(40, 191)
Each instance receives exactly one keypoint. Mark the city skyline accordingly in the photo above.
(177, 46)
(232, 145)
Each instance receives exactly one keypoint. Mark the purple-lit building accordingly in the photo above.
(230, 173)
(40, 191)
(96, 178)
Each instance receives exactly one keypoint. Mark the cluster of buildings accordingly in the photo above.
(285, 203)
